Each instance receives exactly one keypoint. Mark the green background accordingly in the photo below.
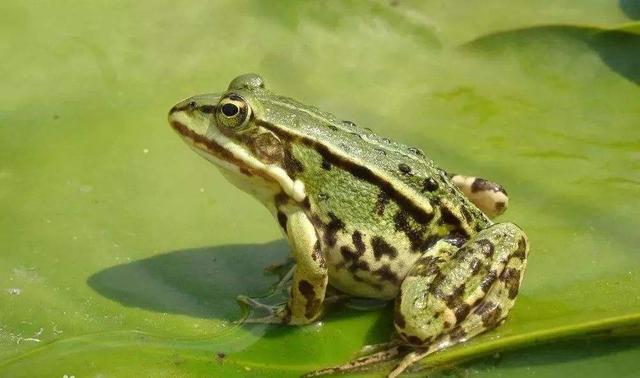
(121, 252)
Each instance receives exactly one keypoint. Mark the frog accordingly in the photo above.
(364, 216)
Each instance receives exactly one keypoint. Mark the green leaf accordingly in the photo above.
(122, 252)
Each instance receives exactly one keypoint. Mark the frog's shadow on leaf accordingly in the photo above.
(199, 282)
(203, 282)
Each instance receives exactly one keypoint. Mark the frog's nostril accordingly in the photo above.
(189, 106)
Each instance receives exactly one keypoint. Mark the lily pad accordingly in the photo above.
(121, 251)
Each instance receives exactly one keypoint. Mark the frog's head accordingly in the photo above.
(225, 129)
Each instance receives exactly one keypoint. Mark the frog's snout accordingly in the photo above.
(188, 105)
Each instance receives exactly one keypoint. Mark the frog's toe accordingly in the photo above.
(269, 319)
(263, 313)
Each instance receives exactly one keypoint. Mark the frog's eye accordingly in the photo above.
(233, 111)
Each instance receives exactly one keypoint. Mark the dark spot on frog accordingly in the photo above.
(416, 151)
(457, 334)
(220, 356)
(322, 196)
(360, 265)
(316, 255)
(488, 280)
(429, 185)
(381, 151)
(326, 165)
(291, 165)
(480, 184)
(356, 238)
(245, 171)
(499, 207)
(282, 219)
(281, 199)
(381, 203)
(386, 140)
(401, 224)
(486, 247)
(349, 123)
(490, 313)
(312, 304)
(454, 302)
(511, 279)
(331, 230)
(353, 254)
(405, 169)
(385, 273)
(382, 248)
(475, 266)
(521, 251)
(455, 240)
(461, 312)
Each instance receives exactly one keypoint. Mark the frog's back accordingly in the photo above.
(377, 204)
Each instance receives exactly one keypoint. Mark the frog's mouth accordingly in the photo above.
(211, 150)
(216, 147)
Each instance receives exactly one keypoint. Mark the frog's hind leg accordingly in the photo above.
(488, 196)
(390, 353)
(453, 294)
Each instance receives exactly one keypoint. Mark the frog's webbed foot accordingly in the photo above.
(361, 363)
(488, 196)
(263, 313)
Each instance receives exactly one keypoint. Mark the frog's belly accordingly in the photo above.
(367, 276)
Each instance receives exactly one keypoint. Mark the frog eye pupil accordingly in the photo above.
(230, 110)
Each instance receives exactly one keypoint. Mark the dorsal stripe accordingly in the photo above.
(420, 213)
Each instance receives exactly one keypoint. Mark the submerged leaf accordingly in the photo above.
(105, 213)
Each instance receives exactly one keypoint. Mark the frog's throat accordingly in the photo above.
(225, 153)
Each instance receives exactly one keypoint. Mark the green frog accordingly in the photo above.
(364, 215)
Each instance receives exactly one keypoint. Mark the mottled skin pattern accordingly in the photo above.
(368, 216)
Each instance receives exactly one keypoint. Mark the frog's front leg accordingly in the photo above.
(452, 294)
(488, 196)
(309, 277)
